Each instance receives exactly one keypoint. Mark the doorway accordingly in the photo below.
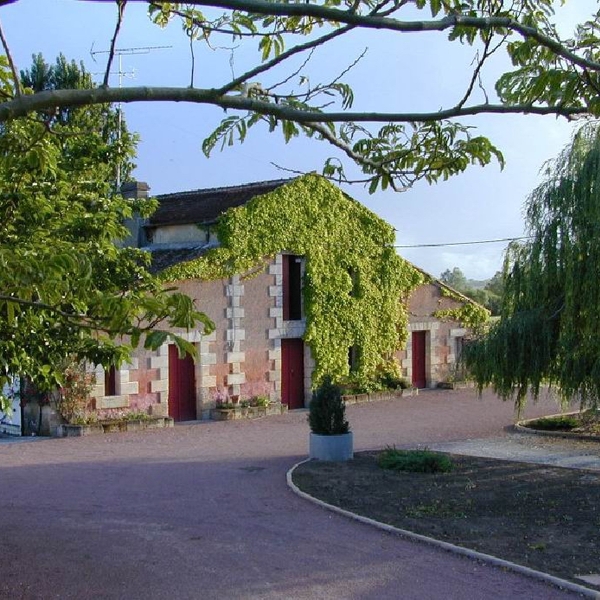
(419, 359)
(292, 373)
(182, 386)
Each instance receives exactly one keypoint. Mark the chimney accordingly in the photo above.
(136, 190)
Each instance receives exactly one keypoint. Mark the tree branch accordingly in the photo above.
(111, 53)
(266, 7)
(476, 72)
(85, 321)
(359, 158)
(11, 63)
(19, 107)
(209, 26)
(232, 85)
(43, 306)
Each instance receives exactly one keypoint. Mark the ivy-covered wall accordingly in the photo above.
(354, 280)
(470, 314)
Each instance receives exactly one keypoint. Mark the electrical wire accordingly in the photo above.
(513, 239)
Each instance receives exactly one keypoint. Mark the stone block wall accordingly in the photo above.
(242, 357)
(442, 336)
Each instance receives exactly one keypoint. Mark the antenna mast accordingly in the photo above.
(120, 52)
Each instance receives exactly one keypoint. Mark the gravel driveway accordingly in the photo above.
(202, 511)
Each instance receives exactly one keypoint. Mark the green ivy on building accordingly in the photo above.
(355, 284)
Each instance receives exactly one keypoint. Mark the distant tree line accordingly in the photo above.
(487, 293)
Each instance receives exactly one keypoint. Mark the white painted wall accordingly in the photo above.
(11, 423)
(169, 234)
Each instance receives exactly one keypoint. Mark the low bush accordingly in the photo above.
(137, 415)
(414, 461)
(561, 423)
(259, 401)
(226, 405)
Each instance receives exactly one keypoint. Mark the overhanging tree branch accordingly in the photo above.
(234, 84)
(113, 43)
(19, 107)
(351, 17)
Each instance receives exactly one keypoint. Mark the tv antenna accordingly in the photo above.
(120, 53)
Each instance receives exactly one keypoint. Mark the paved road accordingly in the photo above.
(553, 451)
(202, 511)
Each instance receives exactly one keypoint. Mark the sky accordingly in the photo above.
(410, 72)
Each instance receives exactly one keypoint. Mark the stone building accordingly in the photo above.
(257, 347)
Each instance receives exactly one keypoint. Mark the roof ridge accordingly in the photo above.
(227, 188)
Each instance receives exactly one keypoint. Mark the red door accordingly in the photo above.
(292, 373)
(182, 386)
(419, 375)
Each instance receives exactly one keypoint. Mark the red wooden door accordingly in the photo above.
(292, 373)
(419, 374)
(182, 386)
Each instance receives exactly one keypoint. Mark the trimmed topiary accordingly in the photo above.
(327, 411)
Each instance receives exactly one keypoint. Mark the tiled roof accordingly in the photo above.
(205, 206)
(163, 259)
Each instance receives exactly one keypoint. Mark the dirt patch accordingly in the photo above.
(546, 518)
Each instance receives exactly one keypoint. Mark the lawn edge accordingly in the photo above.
(411, 535)
(520, 427)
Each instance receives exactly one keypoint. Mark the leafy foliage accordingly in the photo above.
(387, 376)
(489, 297)
(112, 142)
(550, 312)
(551, 75)
(74, 400)
(66, 288)
(455, 279)
(354, 280)
(470, 314)
(327, 411)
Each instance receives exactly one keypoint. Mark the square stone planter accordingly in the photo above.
(334, 448)
(78, 430)
(247, 412)
(134, 425)
(276, 408)
(455, 385)
(222, 414)
(113, 426)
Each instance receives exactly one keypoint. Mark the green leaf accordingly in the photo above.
(185, 348)
(155, 339)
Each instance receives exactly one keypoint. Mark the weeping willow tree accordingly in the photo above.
(549, 331)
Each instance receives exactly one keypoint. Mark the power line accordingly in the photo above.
(512, 239)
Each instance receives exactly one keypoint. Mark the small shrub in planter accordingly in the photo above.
(136, 415)
(327, 411)
(225, 405)
(260, 401)
(414, 461)
(330, 438)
